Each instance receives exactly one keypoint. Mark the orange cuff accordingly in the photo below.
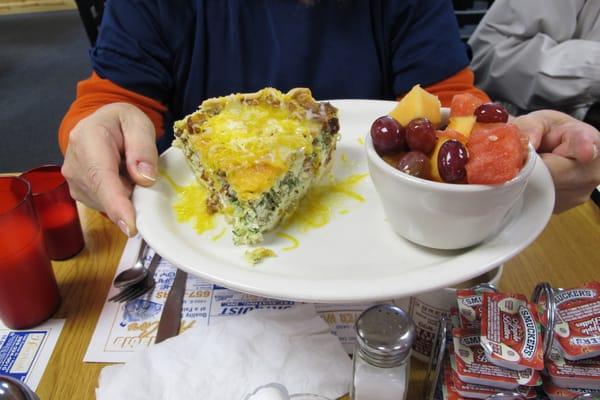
(461, 82)
(96, 92)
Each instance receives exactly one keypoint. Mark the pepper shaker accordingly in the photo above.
(385, 334)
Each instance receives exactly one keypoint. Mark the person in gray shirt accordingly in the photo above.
(545, 54)
(538, 54)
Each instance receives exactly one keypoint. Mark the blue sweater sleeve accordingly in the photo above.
(132, 51)
(428, 49)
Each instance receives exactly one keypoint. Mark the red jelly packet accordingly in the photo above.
(469, 307)
(471, 364)
(577, 329)
(511, 332)
(471, 391)
(584, 374)
(448, 390)
(557, 393)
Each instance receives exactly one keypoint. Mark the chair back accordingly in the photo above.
(468, 15)
(91, 15)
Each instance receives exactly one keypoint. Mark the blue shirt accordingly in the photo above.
(181, 52)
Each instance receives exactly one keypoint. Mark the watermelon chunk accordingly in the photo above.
(495, 155)
(480, 126)
(464, 104)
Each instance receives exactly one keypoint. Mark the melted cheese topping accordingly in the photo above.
(252, 144)
(294, 242)
(191, 205)
(316, 207)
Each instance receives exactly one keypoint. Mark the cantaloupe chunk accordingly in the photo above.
(443, 136)
(417, 103)
(462, 125)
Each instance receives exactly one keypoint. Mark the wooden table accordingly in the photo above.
(566, 254)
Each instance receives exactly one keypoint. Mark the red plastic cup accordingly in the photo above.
(28, 290)
(57, 211)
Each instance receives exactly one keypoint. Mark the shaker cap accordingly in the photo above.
(14, 389)
(385, 334)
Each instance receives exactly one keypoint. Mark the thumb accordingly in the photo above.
(139, 141)
(533, 127)
(575, 140)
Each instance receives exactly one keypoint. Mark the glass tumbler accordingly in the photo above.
(57, 211)
(28, 290)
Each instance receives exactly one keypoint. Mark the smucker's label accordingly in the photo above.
(574, 294)
(577, 329)
(531, 334)
(510, 331)
(469, 303)
(471, 364)
(469, 307)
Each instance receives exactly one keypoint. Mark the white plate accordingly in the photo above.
(355, 257)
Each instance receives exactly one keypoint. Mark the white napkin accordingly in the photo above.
(232, 357)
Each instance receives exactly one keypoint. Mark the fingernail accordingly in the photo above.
(594, 152)
(147, 171)
(124, 227)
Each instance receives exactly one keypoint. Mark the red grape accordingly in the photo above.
(491, 112)
(452, 160)
(393, 158)
(388, 135)
(415, 163)
(420, 135)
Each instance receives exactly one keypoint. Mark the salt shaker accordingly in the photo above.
(385, 334)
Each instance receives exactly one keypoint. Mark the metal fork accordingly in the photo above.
(140, 288)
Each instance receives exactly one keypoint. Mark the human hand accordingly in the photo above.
(108, 152)
(569, 149)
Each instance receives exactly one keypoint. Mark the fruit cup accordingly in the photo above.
(57, 211)
(444, 215)
(28, 291)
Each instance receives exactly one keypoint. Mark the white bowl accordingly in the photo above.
(443, 215)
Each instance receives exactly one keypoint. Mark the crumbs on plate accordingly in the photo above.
(257, 255)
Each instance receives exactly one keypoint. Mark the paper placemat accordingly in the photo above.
(124, 328)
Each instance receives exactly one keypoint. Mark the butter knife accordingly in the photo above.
(170, 320)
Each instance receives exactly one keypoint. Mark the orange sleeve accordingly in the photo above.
(96, 92)
(461, 82)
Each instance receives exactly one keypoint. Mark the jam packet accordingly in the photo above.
(469, 361)
(511, 332)
(577, 329)
(558, 393)
(448, 390)
(472, 391)
(583, 374)
(470, 302)
(452, 388)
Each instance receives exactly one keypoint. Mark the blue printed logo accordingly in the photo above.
(139, 310)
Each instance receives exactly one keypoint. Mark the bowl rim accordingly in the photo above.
(382, 165)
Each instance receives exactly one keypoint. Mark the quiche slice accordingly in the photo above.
(258, 154)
